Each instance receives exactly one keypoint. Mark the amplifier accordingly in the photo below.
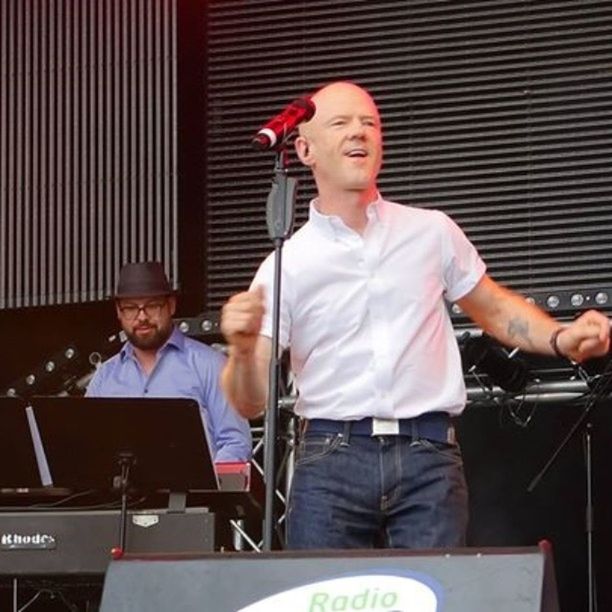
(80, 542)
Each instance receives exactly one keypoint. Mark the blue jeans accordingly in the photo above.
(376, 491)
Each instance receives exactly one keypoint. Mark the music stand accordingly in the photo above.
(18, 467)
(83, 438)
(147, 445)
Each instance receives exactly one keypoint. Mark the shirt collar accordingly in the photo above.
(333, 226)
(176, 340)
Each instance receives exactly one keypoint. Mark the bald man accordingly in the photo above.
(364, 286)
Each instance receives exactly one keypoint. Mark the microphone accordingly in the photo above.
(278, 128)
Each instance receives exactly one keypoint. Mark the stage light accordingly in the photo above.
(47, 376)
(563, 301)
(207, 325)
(482, 353)
(601, 298)
(577, 299)
(202, 325)
(456, 309)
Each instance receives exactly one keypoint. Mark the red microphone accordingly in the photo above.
(273, 134)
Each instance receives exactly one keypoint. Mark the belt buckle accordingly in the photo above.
(385, 427)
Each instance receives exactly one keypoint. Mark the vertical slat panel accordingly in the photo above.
(87, 145)
(131, 245)
(27, 156)
(148, 231)
(34, 158)
(59, 161)
(42, 144)
(4, 173)
(83, 161)
(170, 145)
(16, 149)
(52, 153)
(122, 133)
(93, 106)
(101, 139)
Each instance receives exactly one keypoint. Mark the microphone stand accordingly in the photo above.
(126, 461)
(279, 216)
(600, 390)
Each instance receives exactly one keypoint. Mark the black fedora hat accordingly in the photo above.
(142, 279)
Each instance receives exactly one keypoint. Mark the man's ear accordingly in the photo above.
(172, 304)
(302, 148)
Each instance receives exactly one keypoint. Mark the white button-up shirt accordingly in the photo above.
(365, 316)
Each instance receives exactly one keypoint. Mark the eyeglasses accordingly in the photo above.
(151, 310)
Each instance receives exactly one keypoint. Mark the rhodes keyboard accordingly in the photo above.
(80, 542)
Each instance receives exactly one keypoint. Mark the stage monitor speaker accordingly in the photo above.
(459, 580)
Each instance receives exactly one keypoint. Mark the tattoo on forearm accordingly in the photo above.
(518, 327)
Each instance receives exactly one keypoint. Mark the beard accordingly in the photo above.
(155, 338)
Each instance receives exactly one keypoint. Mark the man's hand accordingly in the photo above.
(586, 337)
(245, 375)
(241, 319)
